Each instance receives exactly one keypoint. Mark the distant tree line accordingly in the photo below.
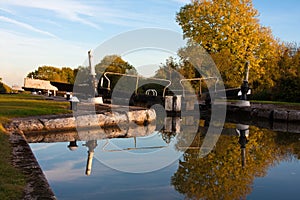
(110, 63)
(50, 73)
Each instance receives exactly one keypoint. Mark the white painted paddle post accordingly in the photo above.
(173, 103)
(243, 102)
(95, 99)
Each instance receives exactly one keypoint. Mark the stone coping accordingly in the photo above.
(271, 113)
(86, 121)
(37, 186)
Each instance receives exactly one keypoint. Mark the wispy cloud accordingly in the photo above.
(66, 171)
(67, 9)
(26, 26)
(6, 10)
(100, 13)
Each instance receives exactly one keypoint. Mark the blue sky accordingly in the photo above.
(60, 32)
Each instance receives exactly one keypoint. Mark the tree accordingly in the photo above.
(287, 87)
(68, 75)
(230, 31)
(168, 70)
(50, 73)
(114, 63)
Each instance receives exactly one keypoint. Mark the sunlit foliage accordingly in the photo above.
(50, 73)
(230, 31)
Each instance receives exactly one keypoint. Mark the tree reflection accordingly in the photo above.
(220, 174)
(290, 141)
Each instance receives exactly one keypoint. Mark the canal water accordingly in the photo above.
(246, 162)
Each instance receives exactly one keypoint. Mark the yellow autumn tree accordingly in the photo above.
(230, 31)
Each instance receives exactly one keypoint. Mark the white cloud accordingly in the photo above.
(26, 26)
(66, 171)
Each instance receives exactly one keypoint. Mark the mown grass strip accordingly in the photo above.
(12, 181)
(276, 103)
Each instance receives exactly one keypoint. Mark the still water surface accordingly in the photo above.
(264, 165)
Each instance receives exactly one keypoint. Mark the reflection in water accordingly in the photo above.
(223, 174)
(168, 132)
(92, 144)
(243, 131)
(73, 145)
(104, 149)
(241, 155)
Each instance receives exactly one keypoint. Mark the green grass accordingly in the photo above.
(22, 105)
(276, 102)
(12, 181)
(279, 103)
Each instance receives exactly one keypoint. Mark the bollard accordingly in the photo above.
(68, 96)
(73, 103)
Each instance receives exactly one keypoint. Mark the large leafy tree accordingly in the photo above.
(50, 73)
(289, 79)
(230, 31)
(114, 63)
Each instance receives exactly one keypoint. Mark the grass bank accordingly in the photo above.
(12, 181)
(278, 104)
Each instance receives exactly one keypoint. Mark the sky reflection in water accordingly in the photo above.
(271, 168)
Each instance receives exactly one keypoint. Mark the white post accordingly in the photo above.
(177, 103)
(93, 77)
(89, 163)
(243, 102)
(177, 124)
(168, 125)
(169, 103)
(91, 68)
